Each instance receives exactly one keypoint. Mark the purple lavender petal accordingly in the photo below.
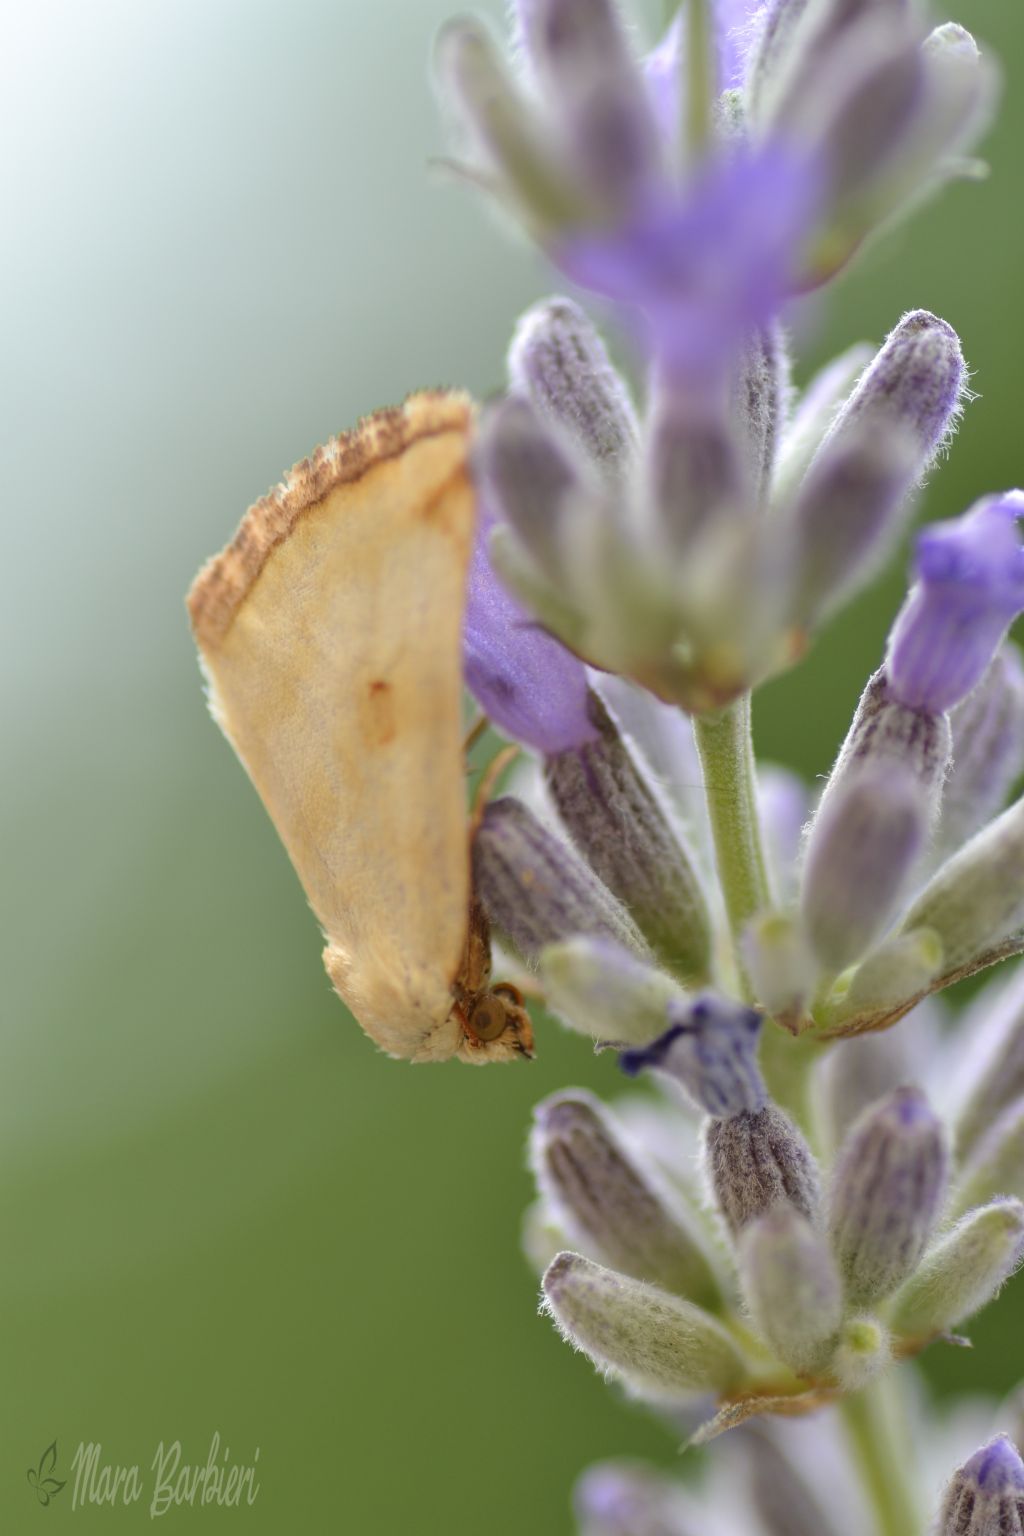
(701, 270)
(710, 1048)
(532, 688)
(970, 587)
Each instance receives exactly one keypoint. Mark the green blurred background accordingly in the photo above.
(222, 1209)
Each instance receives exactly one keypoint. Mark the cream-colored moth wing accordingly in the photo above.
(330, 632)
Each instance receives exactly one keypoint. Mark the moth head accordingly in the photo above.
(496, 1026)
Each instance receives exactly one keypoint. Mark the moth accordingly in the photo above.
(329, 631)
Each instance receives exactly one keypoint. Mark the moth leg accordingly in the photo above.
(474, 733)
(488, 783)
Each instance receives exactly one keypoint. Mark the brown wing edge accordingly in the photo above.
(224, 581)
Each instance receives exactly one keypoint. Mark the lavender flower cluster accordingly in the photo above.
(638, 573)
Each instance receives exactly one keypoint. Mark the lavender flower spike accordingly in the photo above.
(711, 1049)
(970, 586)
(986, 1495)
(532, 688)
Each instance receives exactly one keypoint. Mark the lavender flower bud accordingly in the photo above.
(886, 733)
(615, 818)
(781, 969)
(603, 990)
(986, 1495)
(852, 95)
(814, 415)
(711, 1050)
(846, 516)
(785, 1504)
(854, 500)
(976, 901)
(660, 1346)
(997, 1058)
(662, 737)
(540, 1236)
(559, 362)
(608, 1206)
(970, 585)
(902, 968)
(988, 749)
(623, 1500)
(792, 1288)
(769, 56)
(694, 476)
(580, 54)
(915, 381)
(864, 1350)
(757, 1161)
(528, 470)
(862, 848)
(960, 91)
(536, 889)
(996, 1164)
(757, 405)
(501, 127)
(783, 807)
(963, 1272)
(855, 1074)
(887, 1192)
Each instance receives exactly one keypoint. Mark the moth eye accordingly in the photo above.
(489, 1018)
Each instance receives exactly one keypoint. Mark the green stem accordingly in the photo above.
(699, 91)
(879, 1440)
(727, 762)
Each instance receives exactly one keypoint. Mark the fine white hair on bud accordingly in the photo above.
(986, 1495)
(861, 851)
(658, 1345)
(792, 1288)
(988, 750)
(618, 822)
(558, 361)
(886, 734)
(756, 1161)
(608, 1204)
(603, 990)
(536, 890)
(976, 900)
(963, 1271)
(887, 1192)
